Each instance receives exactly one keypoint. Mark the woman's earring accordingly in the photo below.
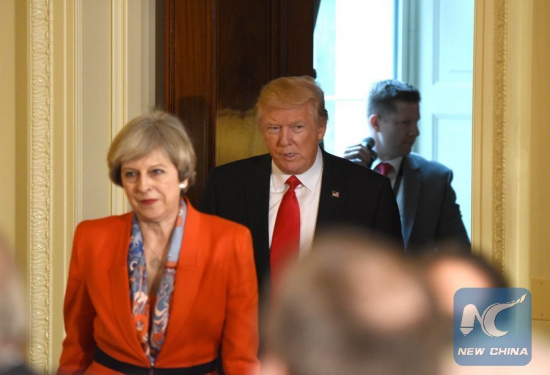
(183, 185)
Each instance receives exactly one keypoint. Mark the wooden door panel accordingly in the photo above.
(218, 55)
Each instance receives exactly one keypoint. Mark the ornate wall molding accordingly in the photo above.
(499, 132)
(119, 86)
(40, 182)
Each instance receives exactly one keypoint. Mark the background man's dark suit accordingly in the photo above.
(350, 194)
(430, 213)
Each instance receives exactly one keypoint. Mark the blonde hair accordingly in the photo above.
(149, 132)
(290, 92)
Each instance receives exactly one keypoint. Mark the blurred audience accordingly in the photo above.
(452, 269)
(352, 307)
(13, 315)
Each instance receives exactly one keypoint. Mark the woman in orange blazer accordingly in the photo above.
(160, 289)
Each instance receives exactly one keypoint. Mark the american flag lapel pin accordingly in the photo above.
(335, 194)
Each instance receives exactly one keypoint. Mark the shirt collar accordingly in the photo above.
(395, 162)
(309, 178)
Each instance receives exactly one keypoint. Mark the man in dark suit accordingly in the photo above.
(426, 199)
(292, 118)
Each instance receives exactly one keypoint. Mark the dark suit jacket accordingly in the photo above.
(430, 213)
(350, 194)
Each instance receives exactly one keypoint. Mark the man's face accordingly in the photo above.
(395, 134)
(292, 137)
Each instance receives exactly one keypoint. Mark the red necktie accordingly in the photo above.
(384, 168)
(285, 242)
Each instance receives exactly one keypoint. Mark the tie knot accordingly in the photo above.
(384, 168)
(293, 181)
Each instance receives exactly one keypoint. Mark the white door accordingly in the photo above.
(444, 77)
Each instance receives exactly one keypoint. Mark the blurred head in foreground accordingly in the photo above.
(13, 313)
(451, 269)
(352, 306)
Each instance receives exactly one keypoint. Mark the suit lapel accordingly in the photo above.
(188, 276)
(120, 290)
(333, 195)
(257, 198)
(256, 190)
(412, 186)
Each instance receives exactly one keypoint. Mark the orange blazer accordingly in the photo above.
(215, 298)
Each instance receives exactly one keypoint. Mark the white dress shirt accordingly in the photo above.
(307, 193)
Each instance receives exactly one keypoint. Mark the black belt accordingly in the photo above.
(126, 368)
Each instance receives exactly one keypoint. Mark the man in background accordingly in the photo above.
(429, 213)
(287, 196)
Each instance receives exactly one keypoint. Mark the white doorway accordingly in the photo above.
(428, 43)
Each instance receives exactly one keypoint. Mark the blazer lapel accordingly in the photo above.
(333, 196)
(412, 186)
(188, 275)
(120, 290)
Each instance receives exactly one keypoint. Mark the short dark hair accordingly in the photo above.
(384, 94)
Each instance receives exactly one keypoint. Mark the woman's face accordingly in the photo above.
(152, 186)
